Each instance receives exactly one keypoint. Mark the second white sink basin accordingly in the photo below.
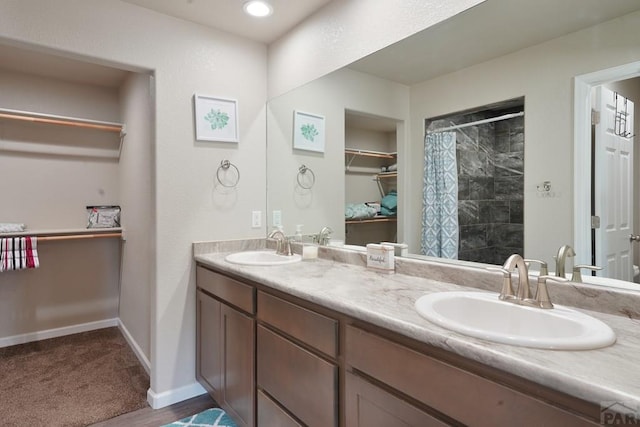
(261, 258)
(483, 315)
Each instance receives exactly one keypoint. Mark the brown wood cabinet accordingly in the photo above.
(226, 344)
(369, 406)
(455, 393)
(271, 360)
(293, 345)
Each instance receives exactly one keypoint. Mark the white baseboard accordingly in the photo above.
(135, 347)
(166, 398)
(57, 332)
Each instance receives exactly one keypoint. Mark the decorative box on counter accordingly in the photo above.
(381, 257)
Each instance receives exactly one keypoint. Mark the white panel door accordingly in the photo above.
(614, 185)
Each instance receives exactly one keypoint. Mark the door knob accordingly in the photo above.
(634, 237)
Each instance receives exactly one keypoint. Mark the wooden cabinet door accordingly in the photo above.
(238, 367)
(303, 383)
(370, 406)
(209, 354)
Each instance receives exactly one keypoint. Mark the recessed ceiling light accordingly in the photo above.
(259, 8)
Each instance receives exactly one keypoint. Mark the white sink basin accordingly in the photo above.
(483, 315)
(261, 258)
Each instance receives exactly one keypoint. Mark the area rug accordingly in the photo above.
(215, 417)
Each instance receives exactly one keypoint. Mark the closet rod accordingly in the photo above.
(61, 120)
(78, 236)
(478, 122)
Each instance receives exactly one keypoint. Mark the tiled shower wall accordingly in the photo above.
(490, 186)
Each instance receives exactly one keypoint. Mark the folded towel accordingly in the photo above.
(17, 253)
(359, 211)
(389, 202)
(11, 227)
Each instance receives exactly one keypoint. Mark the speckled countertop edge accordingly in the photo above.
(607, 374)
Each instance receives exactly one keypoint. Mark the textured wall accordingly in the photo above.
(185, 58)
(544, 75)
(342, 32)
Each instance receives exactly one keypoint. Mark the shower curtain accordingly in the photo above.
(440, 196)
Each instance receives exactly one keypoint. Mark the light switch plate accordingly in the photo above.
(256, 219)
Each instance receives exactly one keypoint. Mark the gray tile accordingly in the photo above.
(467, 212)
(509, 164)
(463, 187)
(509, 188)
(516, 212)
(472, 163)
(481, 188)
(473, 237)
(506, 235)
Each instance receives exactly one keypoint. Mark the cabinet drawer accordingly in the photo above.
(270, 414)
(300, 381)
(223, 287)
(312, 328)
(458, 394)
(370, 406)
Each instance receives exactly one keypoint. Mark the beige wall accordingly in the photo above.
(52, 191)
(186, 58)
(341, 33)
(543, 74)
(77, 282)
(135, 177)
(330, 96)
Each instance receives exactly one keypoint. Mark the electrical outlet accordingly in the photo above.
(277, 218)
(256, 219)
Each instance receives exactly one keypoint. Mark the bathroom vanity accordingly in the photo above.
(331, 343)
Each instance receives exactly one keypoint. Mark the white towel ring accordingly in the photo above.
(224, 166)
(302, 172)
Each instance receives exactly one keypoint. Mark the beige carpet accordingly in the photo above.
(75, 380)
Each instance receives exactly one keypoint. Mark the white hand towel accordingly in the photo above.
(11, 227)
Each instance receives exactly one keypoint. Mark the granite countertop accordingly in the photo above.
(387, 300)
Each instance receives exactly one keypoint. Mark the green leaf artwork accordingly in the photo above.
(217, 119)
(309, 132)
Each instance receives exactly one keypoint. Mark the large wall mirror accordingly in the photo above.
(540, 61)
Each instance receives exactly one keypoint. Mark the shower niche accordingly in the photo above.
(489, 153)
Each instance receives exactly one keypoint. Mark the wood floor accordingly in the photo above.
(148, 417)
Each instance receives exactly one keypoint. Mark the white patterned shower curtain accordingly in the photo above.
(440, 196)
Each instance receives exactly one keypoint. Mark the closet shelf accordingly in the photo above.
(69, 234)
(52, 119)
(370, 153)
(387, 175)
(76, 122)
(371, 220)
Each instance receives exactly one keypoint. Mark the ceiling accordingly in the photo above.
(227, 15)
(468, 38)
(475, 36)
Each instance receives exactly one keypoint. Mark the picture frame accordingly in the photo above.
(308, 131)
(216, 119)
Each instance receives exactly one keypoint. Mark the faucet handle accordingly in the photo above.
(544, 267)
(577, 275)
(542, 293)
(506, 293)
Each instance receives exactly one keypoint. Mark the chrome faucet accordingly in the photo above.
(561, 259)
(322, 238)
(283, 245)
